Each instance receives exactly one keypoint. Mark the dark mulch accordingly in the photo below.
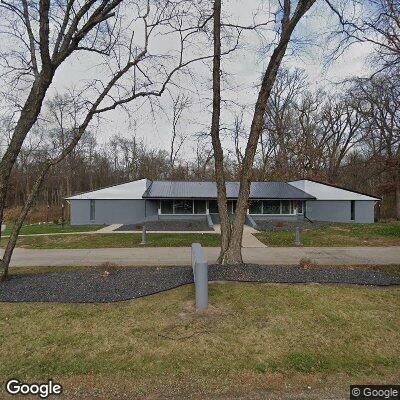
(91, 286)
(265, 225)
(170, 225)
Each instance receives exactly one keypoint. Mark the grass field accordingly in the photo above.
(282, 340)
(53, 228)
(379, 234)
(92, 241)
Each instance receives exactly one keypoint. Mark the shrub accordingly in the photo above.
(108, 268)
(307, 263)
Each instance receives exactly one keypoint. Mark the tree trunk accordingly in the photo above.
(397, 199)
(12, 241)
(215, 122)
(28, 117)
(233, 254)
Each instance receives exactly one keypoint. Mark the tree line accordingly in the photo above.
(347, 137)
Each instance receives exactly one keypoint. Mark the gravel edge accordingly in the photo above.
(94, 285)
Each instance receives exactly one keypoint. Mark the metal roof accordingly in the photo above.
(208, 190)
(126, 191)
(324, 191)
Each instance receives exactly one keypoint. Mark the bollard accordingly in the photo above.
(297, 239)
(200, 274)
(144, 235)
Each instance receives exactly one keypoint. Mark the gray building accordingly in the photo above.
(144, 200)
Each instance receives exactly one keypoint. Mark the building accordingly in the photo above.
(146, 200)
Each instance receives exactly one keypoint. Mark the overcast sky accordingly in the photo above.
(243, 68)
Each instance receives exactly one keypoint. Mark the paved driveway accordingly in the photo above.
(181, 256)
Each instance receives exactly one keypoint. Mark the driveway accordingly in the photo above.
(182, 256)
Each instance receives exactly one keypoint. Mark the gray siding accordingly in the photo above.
(111, 211)
(365, 212)
(133, 211)
(340, 211)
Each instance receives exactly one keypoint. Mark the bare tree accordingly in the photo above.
(180, 104)
(280, 131)
(342, 131)
(378, 102)
(371, 21)
(232, 234)
(63, 29)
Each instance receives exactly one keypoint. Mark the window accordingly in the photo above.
(298, 207)
(286, 207)
(352, 210)
(231, 206)
(213, 206)
(199, 206)
(183, 206)
(92, 210)
(275, 207)
(255, 207)
(167, 206)
(272, 207)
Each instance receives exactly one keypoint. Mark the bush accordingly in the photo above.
(307, 263)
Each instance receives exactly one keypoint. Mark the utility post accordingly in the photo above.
(297, 238)
(144, 235)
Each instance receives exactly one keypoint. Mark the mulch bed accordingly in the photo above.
(92, 285)
(169, 225)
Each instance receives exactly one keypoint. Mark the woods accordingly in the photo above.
(347, 139)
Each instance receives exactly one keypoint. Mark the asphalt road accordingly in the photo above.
(181, 256)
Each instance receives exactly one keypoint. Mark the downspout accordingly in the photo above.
(145, 211)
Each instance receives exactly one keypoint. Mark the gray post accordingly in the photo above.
(200, 274)
(297, 239)
(144, 235)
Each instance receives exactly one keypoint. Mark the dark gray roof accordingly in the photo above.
(208, 190)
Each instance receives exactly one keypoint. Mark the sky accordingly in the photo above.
(242, 72)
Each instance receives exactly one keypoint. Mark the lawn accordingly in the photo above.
(116, 240)
(52, 228)
(283, 340)
(379, 234)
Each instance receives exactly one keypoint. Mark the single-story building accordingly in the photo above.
(146, 200)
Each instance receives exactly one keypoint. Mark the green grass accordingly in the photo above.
(379, 234)
(52, 228)
(256, 338)
(104, 240)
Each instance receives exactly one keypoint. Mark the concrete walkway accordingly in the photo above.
(248, 239)
(109, 228)
(181, 256)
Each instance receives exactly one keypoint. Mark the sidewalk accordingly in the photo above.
(182, 256)
(109, 229)
(248, 239)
